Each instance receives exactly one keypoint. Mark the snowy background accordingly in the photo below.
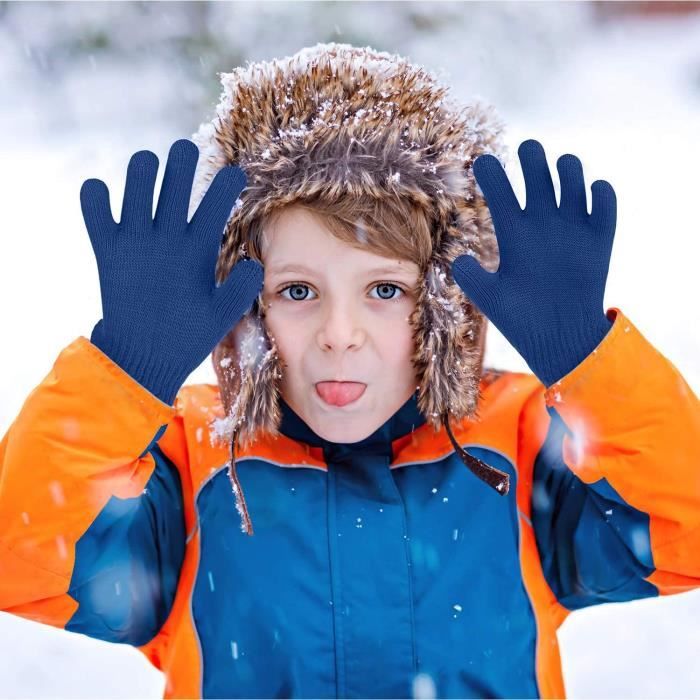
(85, 85)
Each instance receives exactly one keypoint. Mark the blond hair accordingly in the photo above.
(392, 229)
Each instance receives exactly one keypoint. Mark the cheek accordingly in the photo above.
(285, 333)
(395, 336)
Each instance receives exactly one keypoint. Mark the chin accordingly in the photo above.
(342, 431)
(344, 436)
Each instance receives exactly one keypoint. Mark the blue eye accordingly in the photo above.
(295, 286)
(386, 287)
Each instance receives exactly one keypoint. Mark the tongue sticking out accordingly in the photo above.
(340, 393)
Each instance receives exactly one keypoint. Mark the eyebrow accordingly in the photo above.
(294, 267)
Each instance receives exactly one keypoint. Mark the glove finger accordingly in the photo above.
(97, 212)
(238, 292)
(573, 188)
(502, 202)
(477, 284)
(539, 188)
(216, 206)
(137, 206)
(603, 210)
(176, 190)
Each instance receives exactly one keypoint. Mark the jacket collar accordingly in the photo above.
(406, 419)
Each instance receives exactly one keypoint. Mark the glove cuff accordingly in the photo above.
(551, 353)
(161, 378)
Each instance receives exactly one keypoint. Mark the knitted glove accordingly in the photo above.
(546, 297)
(162, 311)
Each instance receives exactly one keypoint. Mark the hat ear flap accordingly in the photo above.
(249, 370)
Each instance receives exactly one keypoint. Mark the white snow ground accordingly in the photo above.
(623, 105)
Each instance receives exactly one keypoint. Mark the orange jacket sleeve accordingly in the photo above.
(91, 507)
(614, 448)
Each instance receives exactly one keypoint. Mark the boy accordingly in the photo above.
(378, 566)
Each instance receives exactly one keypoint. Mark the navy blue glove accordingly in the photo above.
(162, 311)
(546, 297)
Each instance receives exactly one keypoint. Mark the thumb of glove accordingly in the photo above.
(239, 290)
(478, 285)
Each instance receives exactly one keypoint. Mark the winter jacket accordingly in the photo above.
(374, 565)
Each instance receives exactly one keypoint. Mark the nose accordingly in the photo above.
(341, 330)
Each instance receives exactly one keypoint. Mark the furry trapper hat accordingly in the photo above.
(335, 120)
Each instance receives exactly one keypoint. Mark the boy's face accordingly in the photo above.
(338, 318)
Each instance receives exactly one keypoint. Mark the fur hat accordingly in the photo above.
(336, 120)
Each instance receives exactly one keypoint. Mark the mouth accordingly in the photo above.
(340, 393)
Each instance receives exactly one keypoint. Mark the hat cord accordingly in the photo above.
(495, 478)
(237, 490)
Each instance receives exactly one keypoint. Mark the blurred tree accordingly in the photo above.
(86, 57)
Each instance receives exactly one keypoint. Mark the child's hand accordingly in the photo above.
(546, 297)
(162, 312)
